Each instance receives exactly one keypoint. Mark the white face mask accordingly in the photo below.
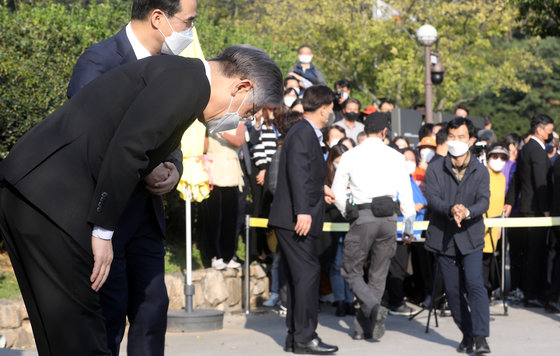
(305, 58)
(427, 154)
(289, 100)
(410, 166)
(228, 121)
(496, 164)
(177, 42)
(332, 143)
(345, 95)
(457, 148)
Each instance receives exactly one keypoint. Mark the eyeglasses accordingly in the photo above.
(190, 23)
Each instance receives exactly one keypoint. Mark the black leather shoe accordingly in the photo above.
(377, 318)
(340, 308)
(360, 336)
(314, 347)
(289, 344)
(466, 345)
(480, 345)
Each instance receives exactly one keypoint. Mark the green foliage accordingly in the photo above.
(39, 45)
(511, 110)
(8, 284)
(539, 17)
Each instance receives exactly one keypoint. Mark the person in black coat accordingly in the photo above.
(297, 213)
(458, 193)
(532, 185)
(136, 286)
(75, 171)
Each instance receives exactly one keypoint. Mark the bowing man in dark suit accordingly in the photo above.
(136, 285)
(75, 171)
(297, 216)
(532, 184)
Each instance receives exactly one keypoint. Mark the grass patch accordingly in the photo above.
(9, 288)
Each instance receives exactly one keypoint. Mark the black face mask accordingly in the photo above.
(352, 116)
(549, 138)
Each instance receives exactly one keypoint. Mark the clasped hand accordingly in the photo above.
(459, 213)
(162, 179)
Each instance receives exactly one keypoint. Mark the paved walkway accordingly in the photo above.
(523, 332)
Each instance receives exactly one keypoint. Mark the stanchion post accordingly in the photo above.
(189, 287)
(503, 286)
(247, 265)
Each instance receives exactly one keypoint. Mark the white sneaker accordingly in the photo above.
(218, 263)
(272, 300)
(233, 264)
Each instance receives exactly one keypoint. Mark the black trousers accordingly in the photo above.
(220, 220)
(397, 273)
(302, 271)
(53, 273)
(462, 274)
(534, 261)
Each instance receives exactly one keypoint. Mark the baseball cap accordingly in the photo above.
(369, 109)
(427, 141)
(497, 149)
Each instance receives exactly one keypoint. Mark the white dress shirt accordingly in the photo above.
(371, 170)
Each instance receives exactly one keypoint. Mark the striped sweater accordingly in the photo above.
(263, 145)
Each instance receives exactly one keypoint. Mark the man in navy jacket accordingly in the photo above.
(458, 193)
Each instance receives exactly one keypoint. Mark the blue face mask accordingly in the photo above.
(229, 121)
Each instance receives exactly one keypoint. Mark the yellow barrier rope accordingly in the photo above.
(423, 225)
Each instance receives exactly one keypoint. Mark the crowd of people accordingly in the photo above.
(522, 181)
(97, 167)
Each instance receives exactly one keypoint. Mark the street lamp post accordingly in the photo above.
(427, 35)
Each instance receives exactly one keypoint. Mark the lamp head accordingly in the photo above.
(427, 35)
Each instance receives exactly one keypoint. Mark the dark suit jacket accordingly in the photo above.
(95, 61)
(443, 190)
(301, 178)
(80, 165)
(532, 181)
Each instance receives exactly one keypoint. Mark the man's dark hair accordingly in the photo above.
(352, 100)
(315, 97)
(288, 120)
(290, 77)
(249, 62)
(441, 137)
(386, 101)
(459, 121)
(540, 120)
(142, 8)
(425, 130)
(343, 83)
(304, 46)
(462, 108)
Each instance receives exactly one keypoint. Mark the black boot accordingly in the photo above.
(480, 345)
(340, 308)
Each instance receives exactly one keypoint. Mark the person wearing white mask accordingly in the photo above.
(305, 71)
(290, 96)
(156, 27)
(458, 193)
(496, 157)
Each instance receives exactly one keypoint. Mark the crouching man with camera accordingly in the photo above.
(374, 173)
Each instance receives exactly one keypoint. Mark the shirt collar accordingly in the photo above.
(139, 50)
(317, 131)
(539, 142)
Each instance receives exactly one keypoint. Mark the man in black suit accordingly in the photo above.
(458, 194)
(532, 184)
(136, 285)
(297, 216)
(75, 172)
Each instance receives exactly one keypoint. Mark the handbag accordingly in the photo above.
(383, 206)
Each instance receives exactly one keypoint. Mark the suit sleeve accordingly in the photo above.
(173, 97)
(298, 167)
(433, 193)
(540, 168)
(176, 157)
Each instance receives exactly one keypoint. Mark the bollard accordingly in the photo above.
(247, 265)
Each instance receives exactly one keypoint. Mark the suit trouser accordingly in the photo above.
(53, 273)
(136, 285)
(372, 237)
(534, 261)
(463, 274)
(397, 274)
(301, 266)
(220, 219)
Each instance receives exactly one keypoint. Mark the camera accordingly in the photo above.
(338, 94)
